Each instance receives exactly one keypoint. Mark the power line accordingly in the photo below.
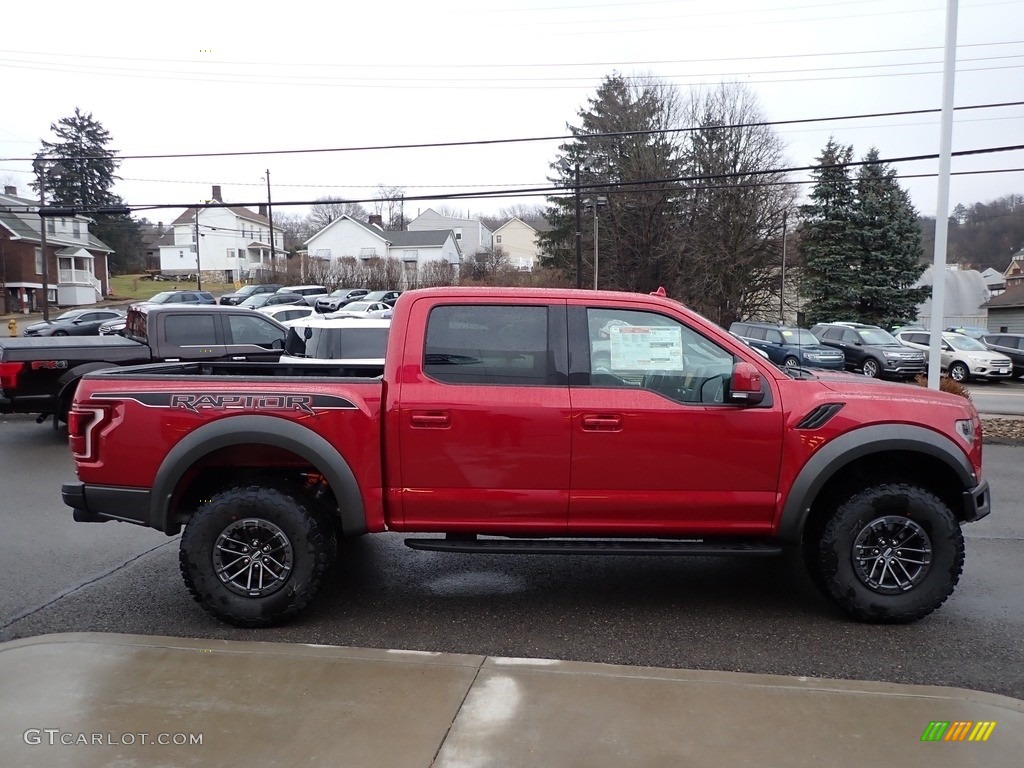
(532, 139)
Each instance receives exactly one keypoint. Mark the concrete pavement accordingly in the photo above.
(99, 700)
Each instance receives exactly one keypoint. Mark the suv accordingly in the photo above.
(182, 297)
(308, 292)
(871, 350)
(963, 358)
(335, 300)
(388, 297)
(246, 291)
(788, 347)
(1009, 344)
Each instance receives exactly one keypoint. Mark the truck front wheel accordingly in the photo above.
(891, 553)
(255, 556)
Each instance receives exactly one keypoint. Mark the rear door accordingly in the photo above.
(656, 450)
(482, 424)
(188, 335)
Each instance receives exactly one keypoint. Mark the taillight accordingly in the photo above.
(83, 423)
(9, 375)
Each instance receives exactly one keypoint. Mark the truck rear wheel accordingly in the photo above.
(255, 556)
(891, 553)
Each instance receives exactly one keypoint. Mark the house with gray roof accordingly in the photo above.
(346, 237)
(76, 261)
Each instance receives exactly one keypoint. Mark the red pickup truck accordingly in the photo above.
(538, 422)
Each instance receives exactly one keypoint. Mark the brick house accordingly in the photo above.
(76, 261)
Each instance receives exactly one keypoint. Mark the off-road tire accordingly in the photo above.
(871, 368)
(295, 536)
(890, 553)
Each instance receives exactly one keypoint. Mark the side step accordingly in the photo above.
(499, 546)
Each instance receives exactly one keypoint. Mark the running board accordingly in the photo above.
(497, 546)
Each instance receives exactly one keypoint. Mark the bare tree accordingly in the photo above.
(391, 208)
(327, 210)
(734, 206)
(434, 273)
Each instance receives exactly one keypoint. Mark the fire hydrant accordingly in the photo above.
(12, 327)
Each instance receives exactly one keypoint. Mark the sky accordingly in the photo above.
(192, 77)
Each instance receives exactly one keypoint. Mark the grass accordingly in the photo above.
(134, 288)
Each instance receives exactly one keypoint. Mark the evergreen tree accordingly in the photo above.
(889, 241)
(85, 180)
(640, 224)
(829, 245)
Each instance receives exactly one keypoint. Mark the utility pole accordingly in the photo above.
(579, 231)
(199, 268)
(40, 167)
(270, 218)
(782, 282)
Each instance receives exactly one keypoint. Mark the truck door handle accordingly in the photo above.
(434, 420)
(238, 357)
(605, 422)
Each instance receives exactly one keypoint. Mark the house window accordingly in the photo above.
(231, 253)
(76, 228)
(498, 238)
(51, 227)
(181, 254)
(410, 256)
(39, 261)
(458, 233)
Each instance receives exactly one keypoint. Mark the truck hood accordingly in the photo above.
(855, 385)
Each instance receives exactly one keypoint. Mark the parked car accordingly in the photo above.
(74, 322)
(388, 297)
(284, 313)
(335, 300)
(246, 291)
(347, 342)
(272, 300)
(963, 358)
(871, 350)
(359, 309)
(974, 331)
(1009, 344)
(310, 293)
(113, 327)
(182, 297)
(787, 346)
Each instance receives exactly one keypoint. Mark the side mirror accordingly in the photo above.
(746, 386)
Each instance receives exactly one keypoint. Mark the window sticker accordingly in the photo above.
(651, 348)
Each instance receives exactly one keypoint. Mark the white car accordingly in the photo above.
(360, 309)
(963, 358)
(350, 343)
(286, 312)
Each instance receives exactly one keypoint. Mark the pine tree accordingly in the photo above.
(828, 240)
(889, 241)
(85, 181)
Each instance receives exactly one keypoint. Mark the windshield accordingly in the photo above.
(877, 336)
(163, 297)
(71, 314)
(964, 343)
(327, 343)
(800, 337)
(258, 300)
(246, 290)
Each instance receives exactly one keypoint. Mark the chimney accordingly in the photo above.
(263, 209)
(376, 220)
(216, 193)
(12, 191)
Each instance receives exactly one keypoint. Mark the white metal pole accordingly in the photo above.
(942, 206)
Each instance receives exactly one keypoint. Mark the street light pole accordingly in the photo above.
(598, 202)
(40, 167)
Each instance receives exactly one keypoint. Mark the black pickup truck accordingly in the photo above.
(39, 375)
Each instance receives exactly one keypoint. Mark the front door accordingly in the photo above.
(656, 449)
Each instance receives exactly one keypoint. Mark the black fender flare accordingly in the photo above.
(838, 453)
(256, 430)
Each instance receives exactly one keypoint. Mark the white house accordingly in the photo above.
(519, 240)
(233, 241)
(471, 234)
(346, 237)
